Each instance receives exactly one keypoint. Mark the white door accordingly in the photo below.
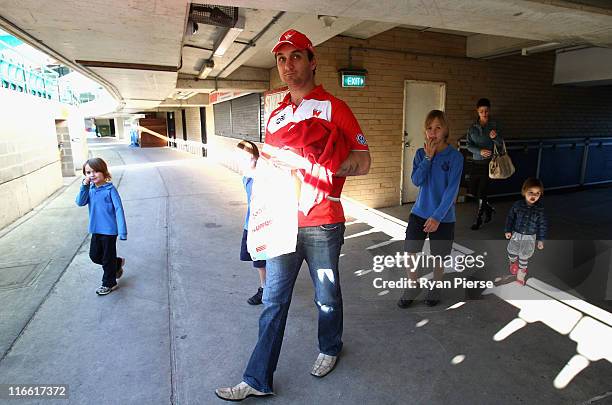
(419, 99)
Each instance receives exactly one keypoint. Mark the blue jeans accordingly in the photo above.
(320, 247)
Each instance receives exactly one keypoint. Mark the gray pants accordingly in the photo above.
(521, 247)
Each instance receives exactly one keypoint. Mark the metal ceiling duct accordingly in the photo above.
(210, 14)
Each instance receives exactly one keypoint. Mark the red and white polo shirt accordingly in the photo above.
(320, 104)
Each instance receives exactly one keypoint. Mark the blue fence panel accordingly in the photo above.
(558, 162)
(561, 165)
(599, 163)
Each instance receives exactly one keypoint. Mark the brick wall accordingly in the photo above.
(520, 89)
(178, 123)
(192, 118)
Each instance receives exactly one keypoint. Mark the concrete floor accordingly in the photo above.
(179, 325)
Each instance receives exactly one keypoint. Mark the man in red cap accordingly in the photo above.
(320, 233)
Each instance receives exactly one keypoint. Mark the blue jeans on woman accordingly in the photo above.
(320, 247)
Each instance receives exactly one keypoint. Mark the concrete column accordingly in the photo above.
(65, 148)
(119, 129)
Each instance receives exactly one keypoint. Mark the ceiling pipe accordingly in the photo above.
(197, 47)
(402, 51)
(530, 50)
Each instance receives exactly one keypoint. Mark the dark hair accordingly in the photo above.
(530, 183)
(249, 147)
(433, 114)
(310, 58)
(98, 165)
(483, 102)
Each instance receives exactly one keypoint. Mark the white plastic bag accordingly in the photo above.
(273, 219)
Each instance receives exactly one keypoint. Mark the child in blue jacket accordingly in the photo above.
(106, 221)
(525, 228)
(248, 160)
(436, 170)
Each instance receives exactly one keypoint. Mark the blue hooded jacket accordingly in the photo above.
(438, 181)
(106, 215)
(247, 182)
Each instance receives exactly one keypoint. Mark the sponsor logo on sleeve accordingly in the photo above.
(361, 139)
(280, 119)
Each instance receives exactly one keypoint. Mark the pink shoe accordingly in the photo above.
(521, 276)
(513, 267)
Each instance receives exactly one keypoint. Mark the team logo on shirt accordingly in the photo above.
(316, 113)
(361, 139)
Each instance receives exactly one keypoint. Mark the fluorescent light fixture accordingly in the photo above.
(207, 67)
(540, 48)
(229, 38)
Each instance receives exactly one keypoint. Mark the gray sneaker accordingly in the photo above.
(323, 365)
(106, 290)
(239, 392)
(408, 297)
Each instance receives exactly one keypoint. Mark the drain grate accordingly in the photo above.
(20, 275)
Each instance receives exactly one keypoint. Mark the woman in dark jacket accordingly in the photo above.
(481, 137)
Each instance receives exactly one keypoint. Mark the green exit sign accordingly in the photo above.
(353, 78)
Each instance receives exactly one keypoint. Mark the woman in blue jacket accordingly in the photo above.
(106, 221)
(481, 137)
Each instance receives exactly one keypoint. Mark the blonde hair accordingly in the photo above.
(98, 165)
(432, 115)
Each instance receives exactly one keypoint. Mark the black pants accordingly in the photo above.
(103, 250)
(479, 179)
(440, 241)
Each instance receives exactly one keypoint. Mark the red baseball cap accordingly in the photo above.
(295, 38)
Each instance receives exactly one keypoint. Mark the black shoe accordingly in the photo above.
(408, 297)
(119, 272)
(256, 299)
(489, 211)
(478, 221)
(433, 297)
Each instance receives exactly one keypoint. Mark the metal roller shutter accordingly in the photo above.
(245, 117)
(239, 118)
(223, 119)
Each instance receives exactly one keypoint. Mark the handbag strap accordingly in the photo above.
(496, 152)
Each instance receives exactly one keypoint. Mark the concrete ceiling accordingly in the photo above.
(146, 32)
(541, 20)
(138, 48)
